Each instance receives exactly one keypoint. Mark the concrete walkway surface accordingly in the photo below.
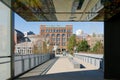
(63, 70)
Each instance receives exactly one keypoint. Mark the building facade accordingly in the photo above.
(92, 39)
(34, 38)
(38, 41)
(57, 35)
(18, 37)
(24, 48)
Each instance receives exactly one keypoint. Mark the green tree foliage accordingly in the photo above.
(44, 47)
(40, 48)
(31, 3)
(35, 49)
(83, 46)
(98, 48)
(71, 44)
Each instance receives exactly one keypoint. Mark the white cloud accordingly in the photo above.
(79, 32)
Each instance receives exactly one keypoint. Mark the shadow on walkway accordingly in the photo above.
(38, 71)
(77, 75)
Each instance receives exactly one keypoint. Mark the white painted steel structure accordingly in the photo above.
(24, 63)
(94, 59)
(5, 42)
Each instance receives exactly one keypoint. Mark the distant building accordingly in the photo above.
(34, 38)
(57, 35)
(79, 32)
(18, 37)
(26, 34)
(24, 48)
(15, 37)
(81, 36)
(23, 45)
(92, 39)
(29, 33)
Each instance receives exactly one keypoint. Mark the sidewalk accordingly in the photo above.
(63, 70)
(62, 65)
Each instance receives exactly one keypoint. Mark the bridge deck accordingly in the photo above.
(61, 68)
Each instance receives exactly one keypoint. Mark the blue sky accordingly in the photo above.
(87, 27)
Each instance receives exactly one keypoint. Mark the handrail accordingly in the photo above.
(93, 59)
(29, 61)
(89, 56)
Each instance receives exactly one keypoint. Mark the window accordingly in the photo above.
(58, 35)
(64, 39)
(63, 35)
(63, 44)
(64, 30)
(53, 35)
(57, 39)
(47, 30)
(58, 30)
(53, 39)
(69, 30)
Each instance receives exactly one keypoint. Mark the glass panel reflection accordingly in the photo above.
(46, 10)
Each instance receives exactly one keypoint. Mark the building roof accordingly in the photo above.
(19, 32)
(24, 44)
(20, 36)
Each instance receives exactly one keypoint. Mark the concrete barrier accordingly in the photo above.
(76, 64)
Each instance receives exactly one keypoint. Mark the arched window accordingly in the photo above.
(53, 35)
(63, 35)
(58, 35)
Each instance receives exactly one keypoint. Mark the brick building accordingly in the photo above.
(24, 48)
(93, 38)
(18, 37)
(57, 35)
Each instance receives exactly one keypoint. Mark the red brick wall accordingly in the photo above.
(67, 27)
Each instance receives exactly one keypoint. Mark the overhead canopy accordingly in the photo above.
(64, 10)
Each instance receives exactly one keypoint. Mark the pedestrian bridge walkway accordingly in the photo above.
(61, 68)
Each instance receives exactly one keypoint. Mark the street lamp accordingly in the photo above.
(48, 47)
(55, 48)
(47, 42)
(75, 49)
(25, 36)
